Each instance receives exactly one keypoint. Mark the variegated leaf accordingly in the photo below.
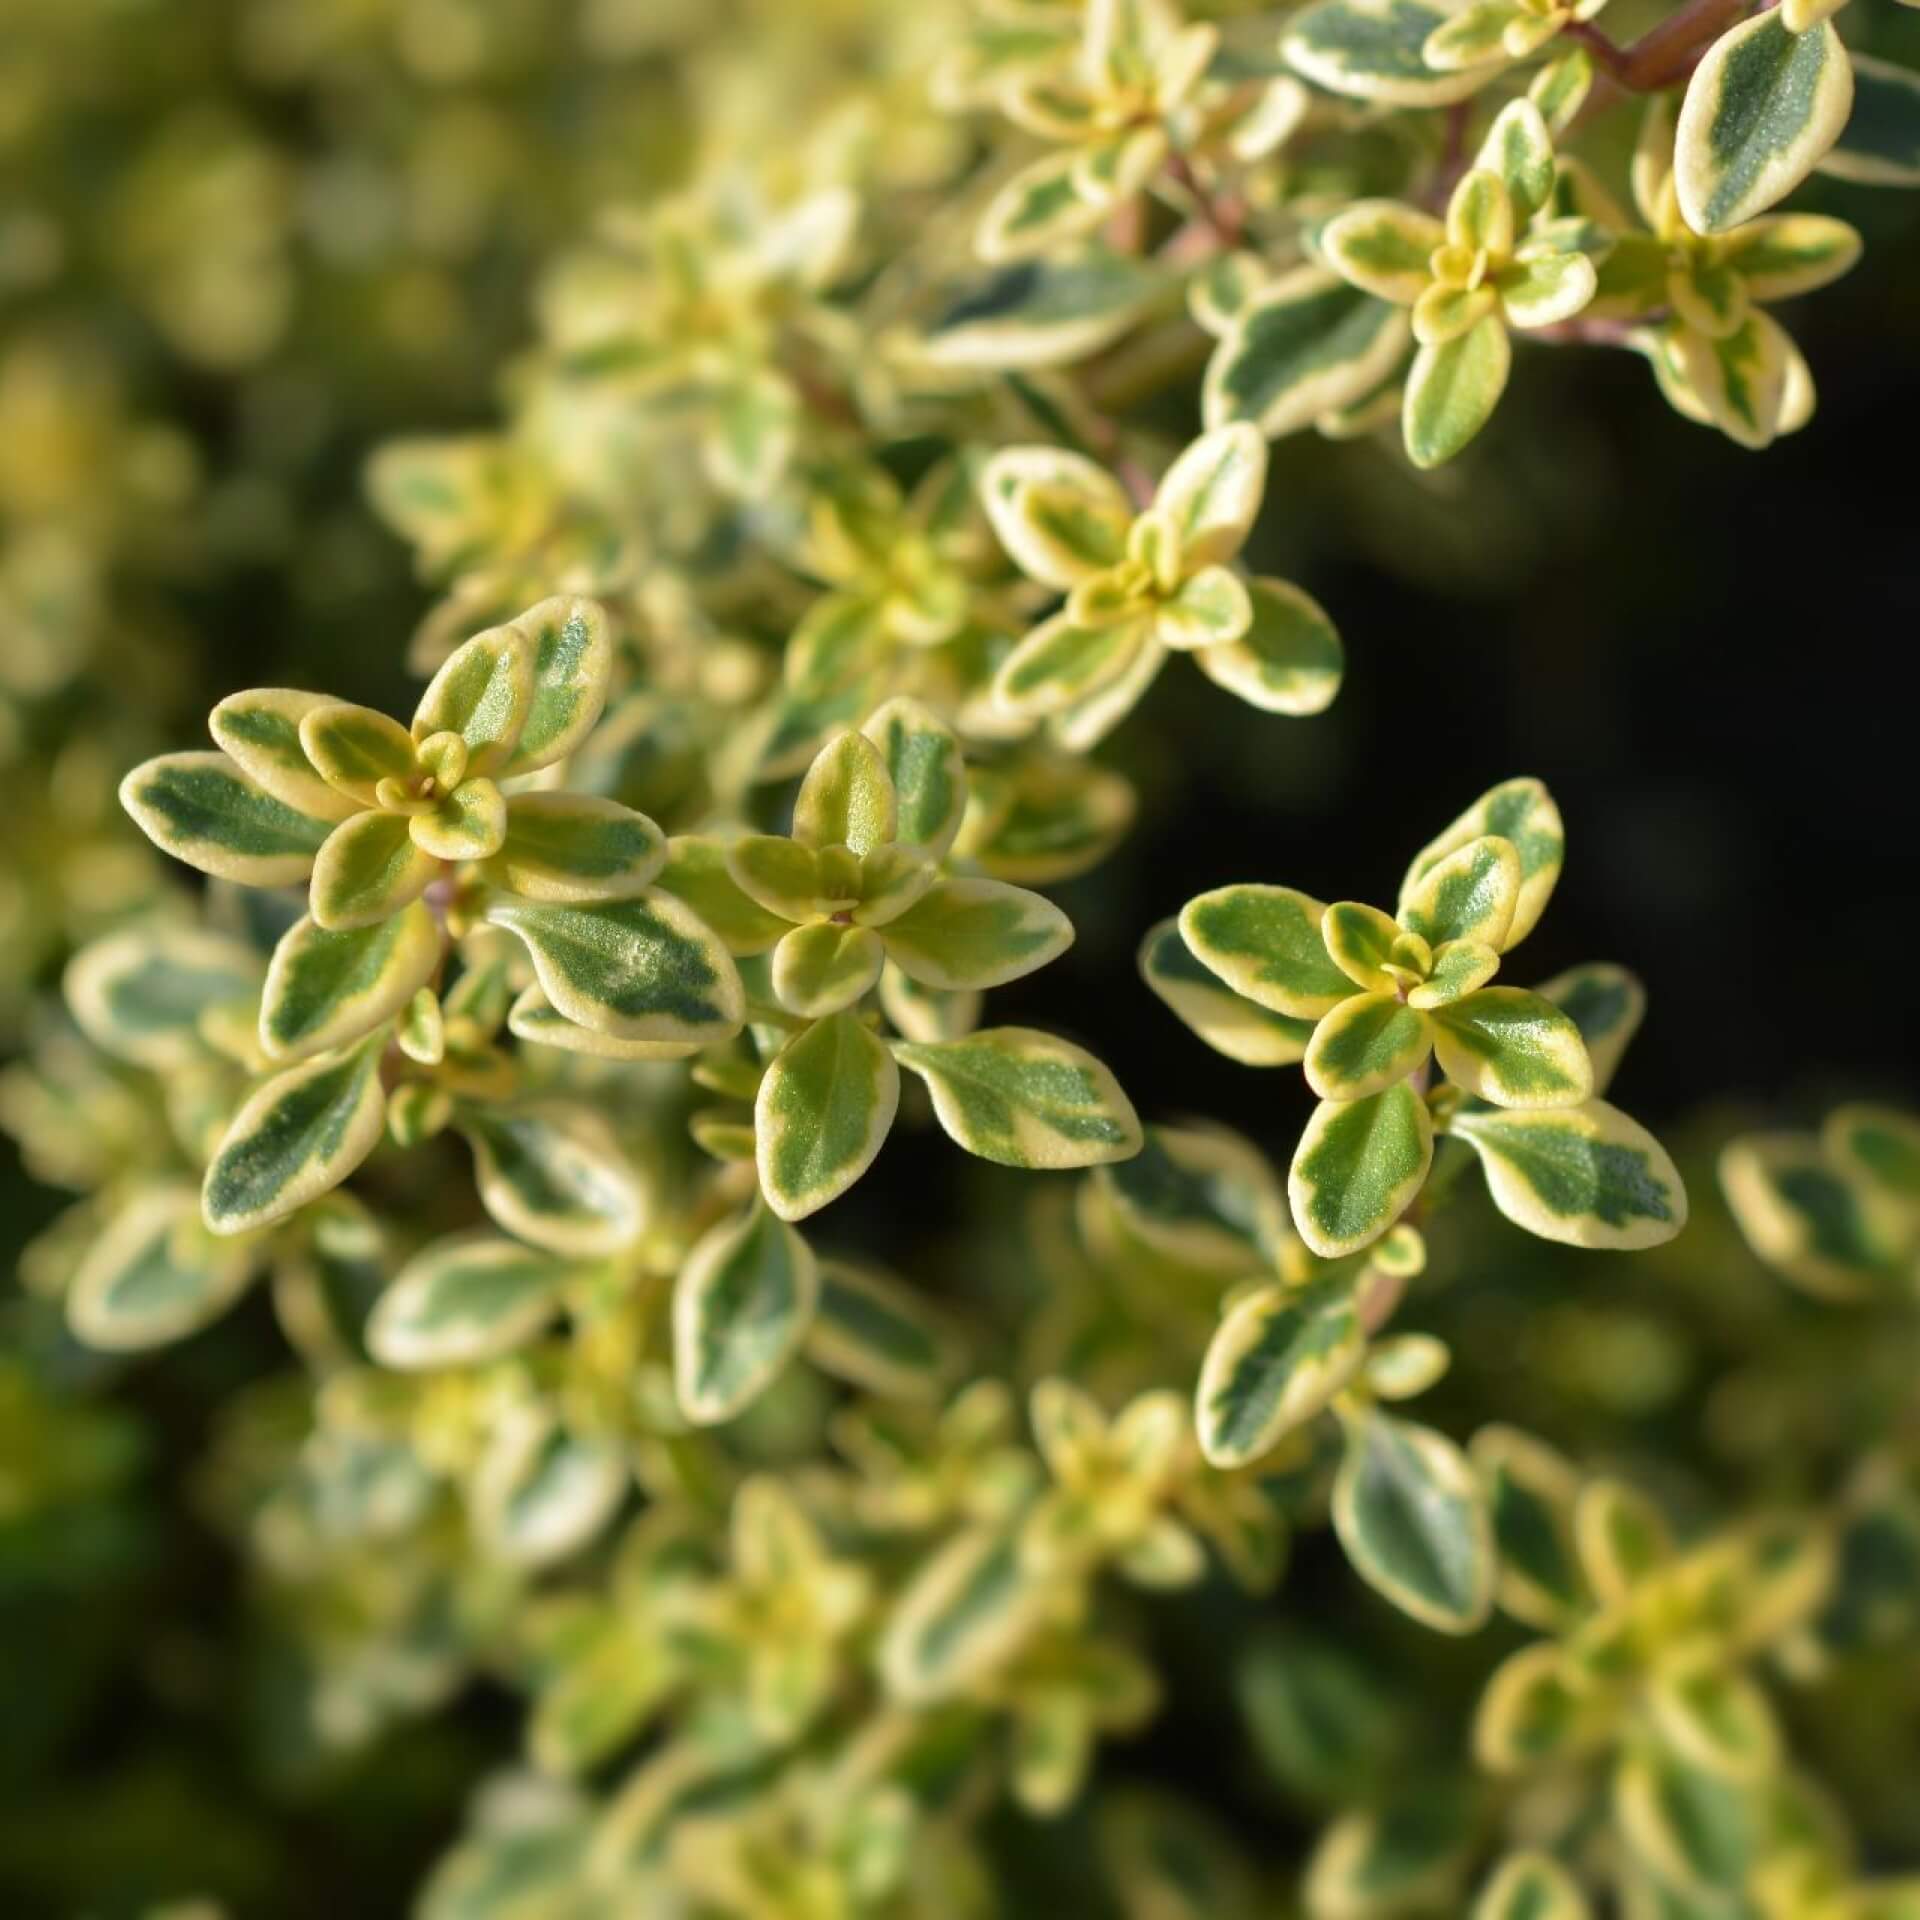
(967, 1610)
(369, 869)
(821, 968)
(1531, 1886)
(741, 1307)
(1453, 390)
(1288, 660)
(1265, 943)
(1522, 813)
(572, 661)
(878, 1334)
(551, 1172)
(1412, 1520)
(576, 847)
(295, 1137)
(1043, 817)
(354, 749)
(1586, 1175)
(260, 732)
(1826, 1230)
(1513, 1048)
(696, 872)
(462, 1302)
(1276, 1359)
(1228, 1022)
(645, 969)
(1304, 345)
(484, 693)
(535, 1019)
(964, 934)
(1530, 1490)
(327, 988)
(847, 798)
(141, 993)
(1607, 1004)
(1199, 1197)
(1042, 313)
(542, 1491)
(929, 775)
(1761, 110)
(1368, 1043)
(202, 809)
(1372, 50)
(1880, 144)
(823, 1111)
(1357, 1168)
(1212, 492)
(1025, 1099)
(154, 1274)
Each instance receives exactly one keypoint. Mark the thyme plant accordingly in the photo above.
(851, 497)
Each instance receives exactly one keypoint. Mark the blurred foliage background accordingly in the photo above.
(242, 242)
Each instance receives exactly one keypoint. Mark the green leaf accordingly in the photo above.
(1042, 313)
(965, 1612)
(1265, 943)
(574, 847)
(369, 869)
(140, 994)
(1409, 1856)
(295, 1137)
(929, 775)
(1587, 1176)
(463, 1302)
(1453, 390)
(260, 732)
(1276, 1359)
(824, 1110)
(327, 988)
(154, 1275)
(354, 749)
(1371, 50)
(963, 934)
(1025, 1099)
(1228, 1022)
(823, 967)
(1696, 1831)
(484, 693)
(572, 662)
(1761, 110)
(1522, 813)
(1512, 1048)
(1357, 1168)
(1879, 1145)
(879, 1336)
(551, 1173)
(696, 872)
(1305, 345)
(202, 809)
(645, 969)
(1607, 1004)
(1410, 1516)
(741, 1308)
(1880, 143)
(847, 798)
(535, 1019)
(1365, 1045)
(1531, 1886)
